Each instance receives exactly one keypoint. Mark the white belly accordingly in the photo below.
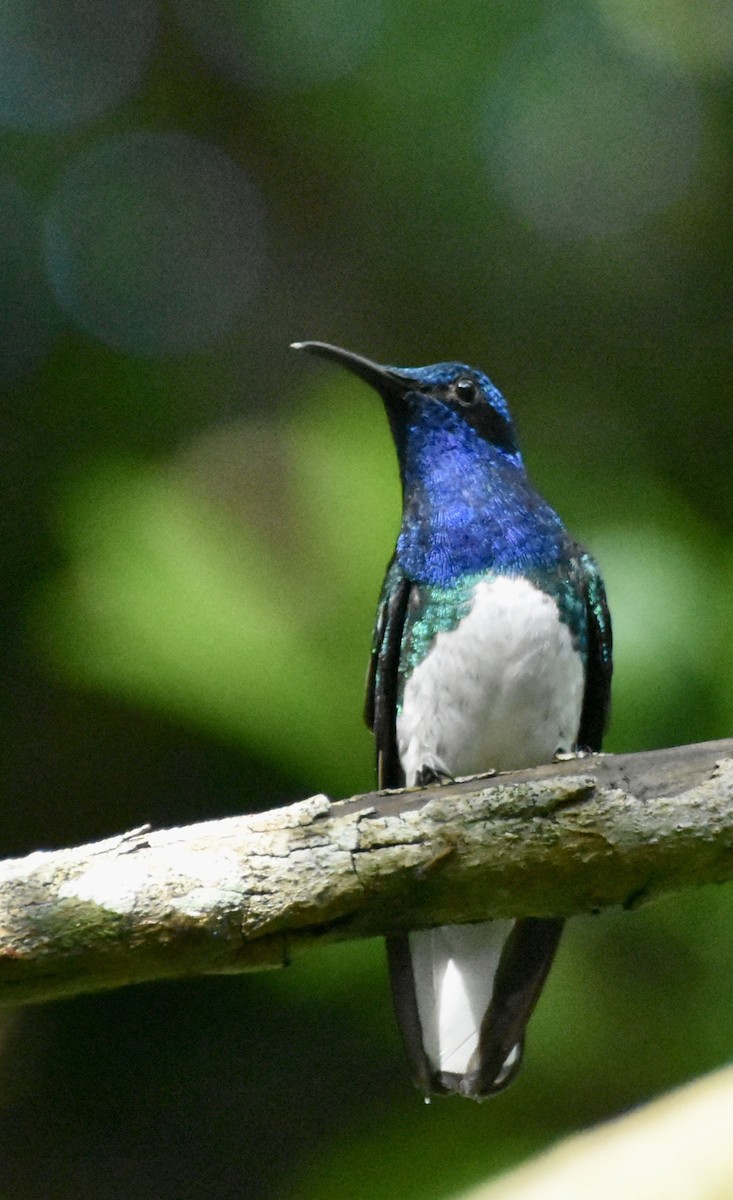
(502, 690)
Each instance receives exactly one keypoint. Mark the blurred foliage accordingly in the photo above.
(195, 522)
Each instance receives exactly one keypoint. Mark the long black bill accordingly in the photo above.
(385, 380)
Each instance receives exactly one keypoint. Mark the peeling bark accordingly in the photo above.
(248, 892)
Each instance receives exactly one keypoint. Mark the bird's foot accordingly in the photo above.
(570, 755)
(431, 773)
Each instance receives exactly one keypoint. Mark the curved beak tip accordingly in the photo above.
(323, 348)
(386, 380)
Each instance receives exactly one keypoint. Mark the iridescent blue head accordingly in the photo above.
(443, 398)
(468, 505)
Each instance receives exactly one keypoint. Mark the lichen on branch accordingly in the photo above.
(248, 892)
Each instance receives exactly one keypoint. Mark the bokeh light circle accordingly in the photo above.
(583, 141)
(693, 37)
(154, 242)
(282, 45)
(63, 62)
(29, 316)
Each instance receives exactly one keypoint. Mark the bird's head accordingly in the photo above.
(444, 394)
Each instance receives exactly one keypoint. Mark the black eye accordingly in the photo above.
(465, 391)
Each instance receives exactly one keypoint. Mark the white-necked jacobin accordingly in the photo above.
(492, 650)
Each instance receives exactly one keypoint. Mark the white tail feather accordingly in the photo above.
(454, 968)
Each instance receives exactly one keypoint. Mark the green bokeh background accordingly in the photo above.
(193, 545)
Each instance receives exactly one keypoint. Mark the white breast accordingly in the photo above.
(503, 690)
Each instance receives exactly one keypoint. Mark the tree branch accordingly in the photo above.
(246, 892)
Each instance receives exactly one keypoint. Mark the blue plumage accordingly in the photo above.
(492, 649)
(468, 504)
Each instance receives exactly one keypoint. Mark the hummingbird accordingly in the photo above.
(491, 651)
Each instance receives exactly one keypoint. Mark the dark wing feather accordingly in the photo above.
(525, 963)
(381, 712)
(383, 674)
(597, 695)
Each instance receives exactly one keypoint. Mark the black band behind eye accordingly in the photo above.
(491, 425)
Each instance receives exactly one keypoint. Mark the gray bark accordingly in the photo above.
(248, 892)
